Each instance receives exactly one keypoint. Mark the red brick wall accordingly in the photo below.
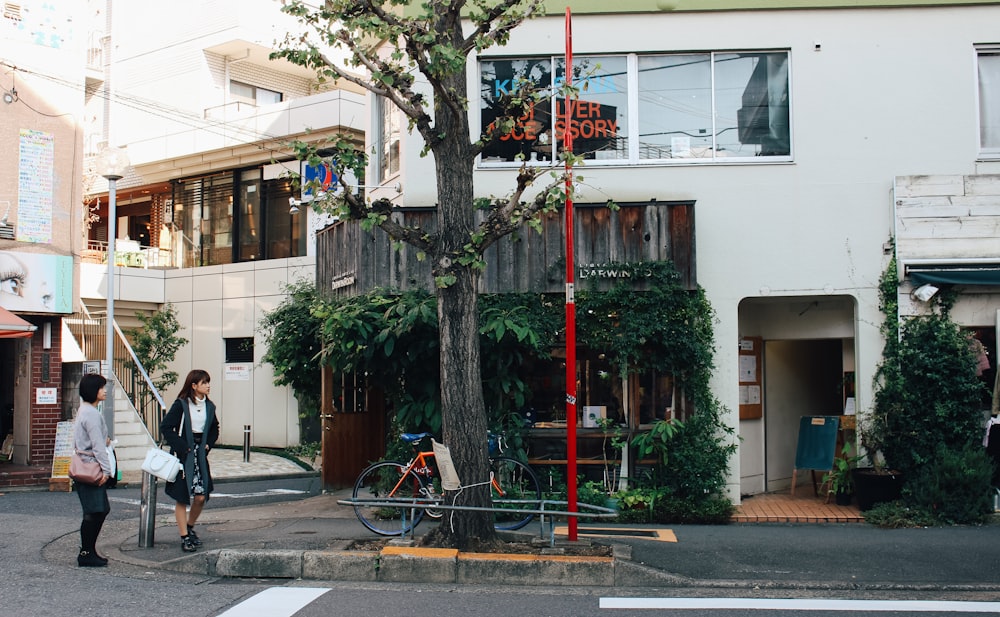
(45, 417)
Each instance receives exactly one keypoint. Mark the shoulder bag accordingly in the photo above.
(86, 472)
(161, 464)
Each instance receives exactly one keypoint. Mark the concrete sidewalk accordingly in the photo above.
(311, 539)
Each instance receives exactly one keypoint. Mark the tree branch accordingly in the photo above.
(507, 215)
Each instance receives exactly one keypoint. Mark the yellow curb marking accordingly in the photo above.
(659, 535)
(412, 551)
(527, 557)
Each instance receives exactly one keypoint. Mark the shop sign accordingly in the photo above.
(614, 270)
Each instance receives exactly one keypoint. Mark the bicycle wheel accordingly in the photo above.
(385, 480)
(518, 482)
(433, 486)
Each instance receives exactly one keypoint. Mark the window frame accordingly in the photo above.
(387, 139)
(985, 153)
(255, 99)
(634, 121)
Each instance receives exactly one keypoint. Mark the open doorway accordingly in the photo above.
(807, 348)
(804, 378)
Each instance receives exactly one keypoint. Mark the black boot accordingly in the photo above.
(90, 559)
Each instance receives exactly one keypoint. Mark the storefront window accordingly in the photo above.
(599, 123)
(694, 107)
(531, 136)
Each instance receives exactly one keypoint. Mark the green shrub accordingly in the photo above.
(591, 493)
(714, 510)
(954, 487)
(896, 514)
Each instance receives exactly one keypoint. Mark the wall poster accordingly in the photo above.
(36, 157)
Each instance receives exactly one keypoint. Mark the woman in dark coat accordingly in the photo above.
(191, 428)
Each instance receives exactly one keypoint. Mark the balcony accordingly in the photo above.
(128, 254)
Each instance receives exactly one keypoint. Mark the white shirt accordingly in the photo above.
(199, 414)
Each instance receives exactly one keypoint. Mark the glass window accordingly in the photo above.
(387, 140)
(711, 106)
(250, 215)
(694, 107)
(285, 232)
(254, 94)
(531, 136)
(217, 221)
(675, 106)
(751, 104)
(989, 102)
(599, 124)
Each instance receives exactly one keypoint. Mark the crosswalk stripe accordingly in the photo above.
(800, 604)
(276, 602)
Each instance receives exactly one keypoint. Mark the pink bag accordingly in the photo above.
(84, 471)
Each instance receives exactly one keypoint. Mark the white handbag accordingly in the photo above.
(161, 464)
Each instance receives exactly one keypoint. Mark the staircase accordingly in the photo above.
(132, 436)
(138, 405)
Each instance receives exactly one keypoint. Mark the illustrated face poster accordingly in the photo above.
(35, 282)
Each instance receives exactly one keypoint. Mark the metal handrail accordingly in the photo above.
(584, 510)
(133, 377)
(143, 392)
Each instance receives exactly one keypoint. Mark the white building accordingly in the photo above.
(801, 132)
(204, 216)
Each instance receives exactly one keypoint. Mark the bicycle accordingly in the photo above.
(418, 480)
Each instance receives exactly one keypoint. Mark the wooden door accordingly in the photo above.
(353, 420)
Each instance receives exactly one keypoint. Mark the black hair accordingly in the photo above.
(90, 386)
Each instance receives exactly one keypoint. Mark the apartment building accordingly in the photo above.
(208, 219)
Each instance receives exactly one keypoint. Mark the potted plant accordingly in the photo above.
(841, 477)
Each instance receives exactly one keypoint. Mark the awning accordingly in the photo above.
(955, 275)
(12, 326)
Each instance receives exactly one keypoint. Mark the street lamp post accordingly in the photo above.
(111, 164)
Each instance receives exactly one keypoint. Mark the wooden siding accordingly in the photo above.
(351, 261)
(951, 218)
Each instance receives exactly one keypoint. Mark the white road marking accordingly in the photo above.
(268, 493)
(801, 605)
(276, 602)
(136, 502)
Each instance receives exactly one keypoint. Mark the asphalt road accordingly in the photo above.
(794, 562)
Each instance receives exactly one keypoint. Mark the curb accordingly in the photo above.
(399, 564)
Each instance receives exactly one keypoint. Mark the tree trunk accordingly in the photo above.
(463, 411)
(462, 407)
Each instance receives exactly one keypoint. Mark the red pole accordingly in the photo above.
(570, 300)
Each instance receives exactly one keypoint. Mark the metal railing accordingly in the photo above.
(128, 255)
(91, 335)
(535, 507)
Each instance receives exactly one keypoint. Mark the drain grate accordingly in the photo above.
(662, 535)
(640, 533)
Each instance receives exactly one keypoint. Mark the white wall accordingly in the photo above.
(214, 303)
(891, 91)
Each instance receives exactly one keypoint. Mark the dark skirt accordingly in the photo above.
(178, 489)
(93, 499)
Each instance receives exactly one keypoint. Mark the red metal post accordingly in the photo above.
(570, 300)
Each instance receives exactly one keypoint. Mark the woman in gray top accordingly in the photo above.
(90, 435)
